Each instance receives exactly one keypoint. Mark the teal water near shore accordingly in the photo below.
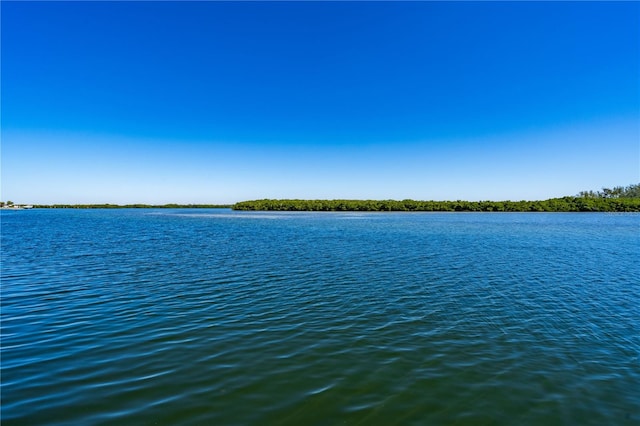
(226, 317)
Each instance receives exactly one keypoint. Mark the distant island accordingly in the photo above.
(617, 199)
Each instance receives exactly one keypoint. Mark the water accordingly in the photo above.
(222, 317)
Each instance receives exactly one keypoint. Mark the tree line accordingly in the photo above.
(619, 199)
(564, 204)
(616, 199)
(631, 191)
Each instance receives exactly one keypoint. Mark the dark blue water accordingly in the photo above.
(221, 317)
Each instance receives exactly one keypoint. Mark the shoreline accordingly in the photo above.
(565, 204)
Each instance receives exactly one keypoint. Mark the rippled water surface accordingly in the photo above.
(221, 317)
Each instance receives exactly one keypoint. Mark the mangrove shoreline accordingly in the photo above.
(564, 204)
(617, 199)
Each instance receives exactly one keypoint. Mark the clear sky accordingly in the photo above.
(217, 102)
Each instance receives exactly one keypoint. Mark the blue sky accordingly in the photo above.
(217, 102)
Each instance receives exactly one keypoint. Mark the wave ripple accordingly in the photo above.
(221, 317)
